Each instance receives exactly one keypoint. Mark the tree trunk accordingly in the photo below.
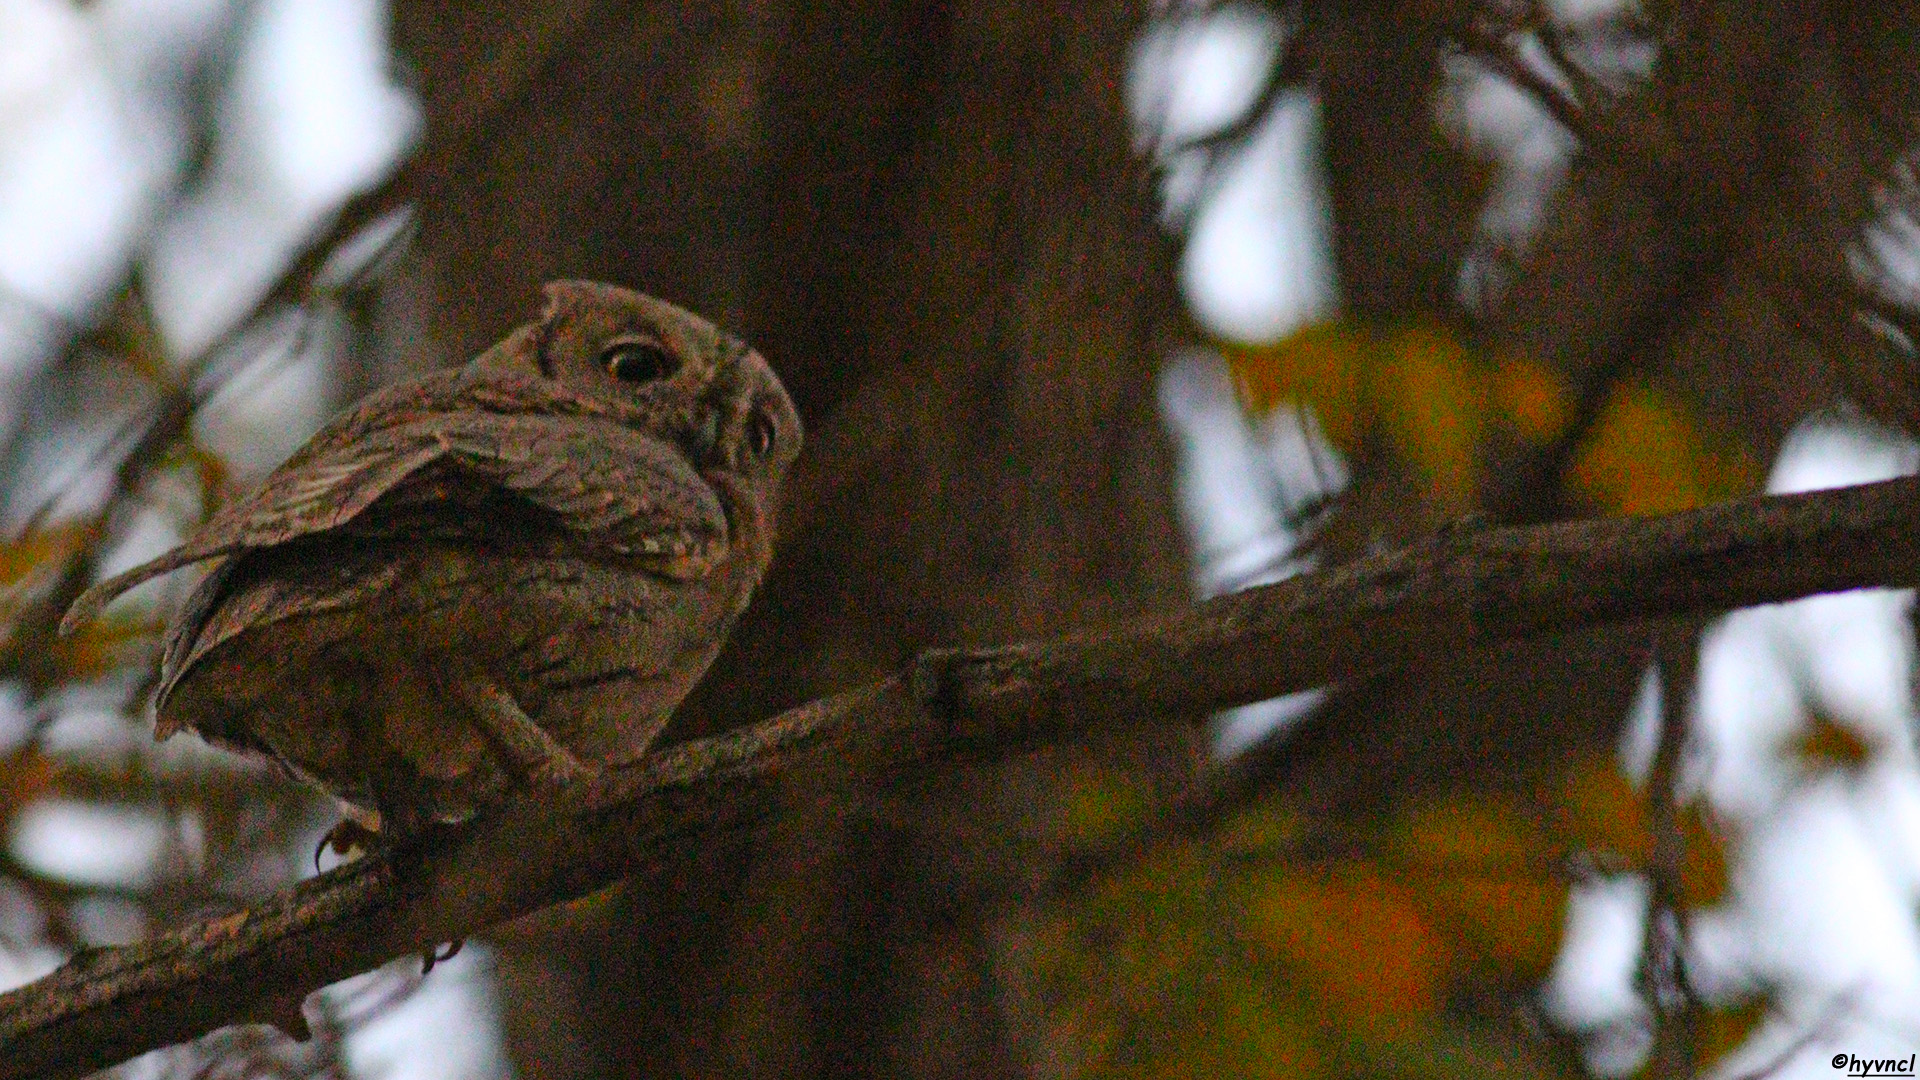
(930, 220)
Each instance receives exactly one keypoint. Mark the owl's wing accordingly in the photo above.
(626, 492)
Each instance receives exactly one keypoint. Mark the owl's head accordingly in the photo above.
(671, 373)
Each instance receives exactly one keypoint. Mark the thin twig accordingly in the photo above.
(1293, 68)
(1497, 53)
(1676, 1011)
(1587, 89)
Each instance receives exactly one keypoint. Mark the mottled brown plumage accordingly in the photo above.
(505, 573)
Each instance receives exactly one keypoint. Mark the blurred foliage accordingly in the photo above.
(1279, 947)
(1434, 401)
(228, 830)
(1276, 948)
(1726, 1030)
(1826, 744)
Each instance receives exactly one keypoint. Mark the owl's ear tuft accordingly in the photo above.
(519, 353)
(567, 296)
(567, 301)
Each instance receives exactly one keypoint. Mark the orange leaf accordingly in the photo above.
(1241, 1034)
(1098, 803)
(1724, 1030)
(1638, 460)
(1534, 399)
(210, 471)
(1358, 940)
(1485, 856)
(1703, 868)
(1322, 364)
(1433, 395)
(1514, 923)
(1828, 744)
(26, 775)
(1475, 831)
(43, 547)
(1599, 810)
(103, 646)
(1649, 454)
(1270, 827)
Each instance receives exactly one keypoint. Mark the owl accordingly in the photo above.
(508, 573)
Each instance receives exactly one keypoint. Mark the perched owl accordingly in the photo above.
(507, 573)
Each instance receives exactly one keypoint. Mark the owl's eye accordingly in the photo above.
(640, 361)
(759, 434)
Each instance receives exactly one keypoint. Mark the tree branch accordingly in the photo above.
(1499, 55)
(1465, 588)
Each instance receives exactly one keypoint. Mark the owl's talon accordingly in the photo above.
(344, 838)
(559, 772)
(434, 956)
